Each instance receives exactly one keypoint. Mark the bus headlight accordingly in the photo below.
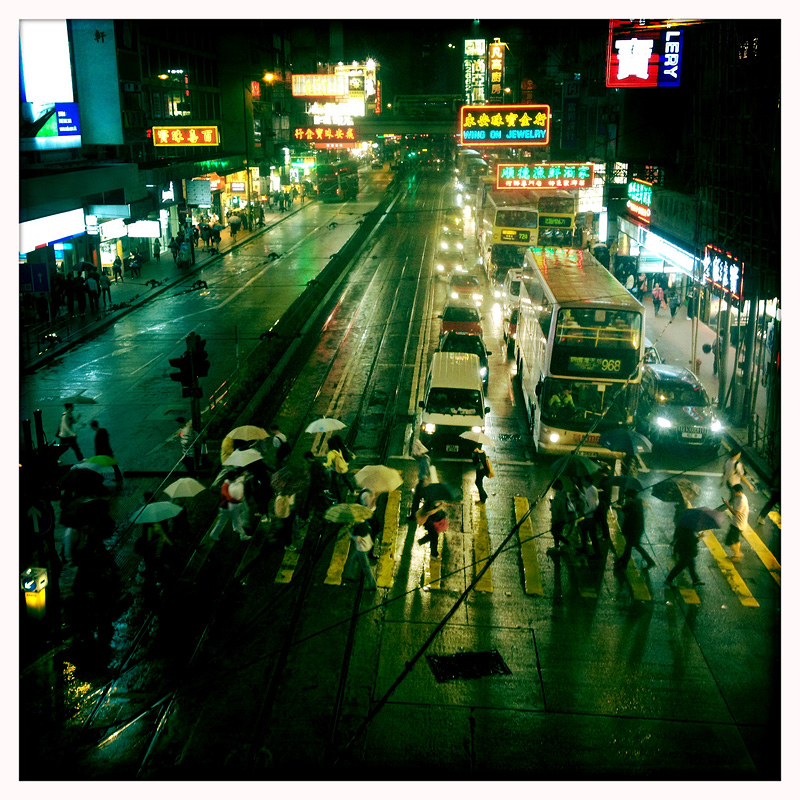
(483, 372)
(663, 422)
(440, 267)
(477, 297)
(716, 426)
(554, 437)
(444, 245)
(454, 295)
(429, 427)
(476, 429)
(460, 246)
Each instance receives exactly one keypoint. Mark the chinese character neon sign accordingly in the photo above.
(201, 136)
(505, 126)
(497, 58)
(545, 176)
(329, 134)
(723, 270)
(640, 198)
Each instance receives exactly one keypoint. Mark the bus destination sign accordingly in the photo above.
(515, 235)
(505, 126)
(545, 176)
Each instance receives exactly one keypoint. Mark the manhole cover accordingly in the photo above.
(465, 666)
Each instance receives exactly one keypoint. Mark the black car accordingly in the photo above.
(458, 342)
(674, 408)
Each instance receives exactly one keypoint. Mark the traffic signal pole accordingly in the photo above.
(191, 349)
(192, 365)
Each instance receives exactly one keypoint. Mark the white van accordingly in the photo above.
(453, 403)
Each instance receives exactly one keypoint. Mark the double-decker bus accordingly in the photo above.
(579, 349)
(337, 181)
(505, 225)
(558, 209)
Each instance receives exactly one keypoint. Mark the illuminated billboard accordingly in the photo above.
(185, 135)
(48, 117)
(723, 271)
(644, 53)
(319, 85)
(474, 70)
(640, 199)
(497, 61)
(505, 126)
(544, 176)
(326, 134)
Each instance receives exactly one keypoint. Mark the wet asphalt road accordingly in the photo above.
(611, 675)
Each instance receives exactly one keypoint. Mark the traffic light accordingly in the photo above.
(200, 358)
(184, 375)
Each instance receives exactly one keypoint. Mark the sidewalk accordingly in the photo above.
(672, 338)
(156, 277)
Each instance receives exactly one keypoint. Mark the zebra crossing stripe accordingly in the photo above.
(530, 562)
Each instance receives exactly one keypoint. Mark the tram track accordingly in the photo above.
(165, 702)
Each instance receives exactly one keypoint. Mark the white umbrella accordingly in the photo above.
(156, 512)
(378, 478)
(418, 449)
(325, 425)
(241, 458)
(478, 437)
(184, 487)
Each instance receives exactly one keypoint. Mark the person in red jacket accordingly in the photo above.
(231, 507)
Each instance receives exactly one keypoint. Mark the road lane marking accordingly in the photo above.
(339, 557)
(634, 576)
(764, 553)
(532, 578)
(729, 571)
(286, 569)
(481, 547)
(386, 557)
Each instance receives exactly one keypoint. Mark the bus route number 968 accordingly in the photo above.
(586, 364)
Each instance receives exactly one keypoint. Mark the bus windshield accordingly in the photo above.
(516, 218)
(596, 342)
(508, 255)
(556, 205)
(577, 405)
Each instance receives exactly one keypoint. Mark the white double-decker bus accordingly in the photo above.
(580, 338)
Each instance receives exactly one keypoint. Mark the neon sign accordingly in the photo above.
(173, 136)
(545, 176)
(329, 134)
(497, 62)
(505, 126)
(643, 53)
(640, 198)
(723, 270)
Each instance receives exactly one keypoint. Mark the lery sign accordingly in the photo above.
(505, 126)
(645, 53)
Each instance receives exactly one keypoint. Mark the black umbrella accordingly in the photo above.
(702, 519)
(576, 466)
(667, 492)
(436, 492)
(626, 482)
(627, 441)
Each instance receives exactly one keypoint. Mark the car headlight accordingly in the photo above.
(440, 267)
(429, 427)
(483, 372)
(477, 297)
(554, 437)
(445, 228)
(663, 422)
(460, 246)
(477, 429)
(444, 245)
(459, 267)
(454, 295)
(716, 425)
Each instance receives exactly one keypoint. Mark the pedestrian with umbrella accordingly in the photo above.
(361, 545)
(433, 518)
(102, 447)
(562, 514)
(684, 546)
(590, 502)
(483, 470)
(633, 530)
(153, 539)
(420, 453)
(337, 462)
(66, 430)
(232, 506)
(317, 496)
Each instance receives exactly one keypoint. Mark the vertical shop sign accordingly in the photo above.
(569, 117)
(475, 70)
(497, 56)
(723, 270)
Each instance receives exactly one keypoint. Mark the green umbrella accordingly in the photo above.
(103, 461)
